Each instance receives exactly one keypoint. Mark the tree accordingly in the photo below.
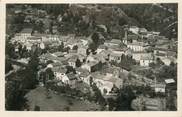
(88, 52)
(39, 26)
(75, 47)
(10, 49)
(30, 73)
(8, 65)
(159, 62)
(20, 49)
(49, 62)
(34, 60)
(138, 104)
(70, 69)
(49, 74)
(67, 49)
(24, 52)
(98, 96)
(61, 47)
(91, 81)
(125, 98)
(14, 96)
(37, 108)
(122, 21)
(78, 63)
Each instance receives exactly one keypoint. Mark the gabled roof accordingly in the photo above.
(137, 43)
(58, 54)
(92, 63)
(27, 30)
(133, 36)
(56, 64)
(147, 57)
(59, 69)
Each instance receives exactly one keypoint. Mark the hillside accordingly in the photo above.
(82, 18)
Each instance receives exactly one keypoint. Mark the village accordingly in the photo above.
(96, 68)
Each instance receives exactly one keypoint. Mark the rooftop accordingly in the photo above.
(59, 69)
(137, 43)
(58, 54)
(114, 41)
(168, 81)
(92, 63)
(34, 38)
(27, 30)
(106, 77)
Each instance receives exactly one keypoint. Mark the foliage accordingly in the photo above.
(75, 47)
(8, 65)
(126, 62)
(14, 97)
(124, 99)
(70, 69)
(78, 63)
(49, 74)
(167, 72)
(98, 96)
(61, 47)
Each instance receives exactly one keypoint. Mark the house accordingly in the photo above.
(169, 81)
(112, 42)
(72, 41)
(92, 66)
(82, 50)
(149, 104)
(58, 54)
(33, 39)
(146, 60)
(28, 45)
(72, 61)
(141, 55)
(82, 74)
(60, 74)
(155, 104)
(171, 84)
(84, 42)
(143, 31)
(132, 37)
(102, 28)
(72, 51)
(101, 48)
(72, 80)
(72, 58)
(48, 56)
(111, 69)
(54, 29)
(136, 46)
(116, 53)
(134, 29)
(59, 70)
(166, 60)
(106, 54)
(105, 82)
(115, 57)
(42, 45)
(26, 32)
(159, 87)
(45, 57)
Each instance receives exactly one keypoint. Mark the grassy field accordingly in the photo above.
(57, 102)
